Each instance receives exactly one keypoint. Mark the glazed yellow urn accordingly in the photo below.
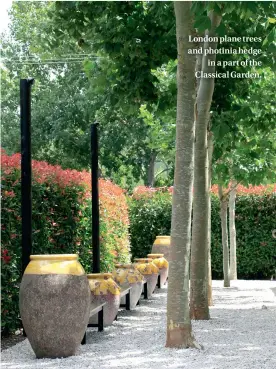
(150, 272)
(104, 289)
(162, 264)
(54, 302)
(162, 245)
(126, 275)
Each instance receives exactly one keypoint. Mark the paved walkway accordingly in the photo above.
(240, 335)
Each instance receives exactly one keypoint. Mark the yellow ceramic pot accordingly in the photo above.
(126, 275)
(54, 302)
(162, 245)
(104, 289)
(149, 270)
(162, 264)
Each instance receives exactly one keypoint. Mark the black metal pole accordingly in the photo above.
(95, 199)
(26, 170)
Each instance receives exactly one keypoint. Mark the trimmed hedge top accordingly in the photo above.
(143, 191)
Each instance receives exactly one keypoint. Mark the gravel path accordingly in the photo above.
(240, 335)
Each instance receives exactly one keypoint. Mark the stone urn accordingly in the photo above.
(162, 245)
(163, 266)
(104, 289)
(149, 271)
(126, 275)
(54, 302)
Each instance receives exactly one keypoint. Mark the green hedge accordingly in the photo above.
(255, 214)
(61, 224)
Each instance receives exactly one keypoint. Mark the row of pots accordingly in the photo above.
(56, 295)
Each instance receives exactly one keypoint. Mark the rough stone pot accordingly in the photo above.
(54, 302)
(162, 245)
(163, 266)
(126, 275)
(149, 271)
(104, 289)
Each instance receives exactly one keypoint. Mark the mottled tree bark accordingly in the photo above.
(224, 235)
(179, 329)
(199, 249)
(210, 156)
(232, 230)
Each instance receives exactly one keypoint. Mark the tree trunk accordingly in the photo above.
(232, 231)
(199, 250)
(150, 170)
(210, 155)
(224, 235)
(179, 328)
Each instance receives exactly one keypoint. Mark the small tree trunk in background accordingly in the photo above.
(224, 235)
(232, 231)
(210, 155)
(199, 250)
(150, 171)
(179, 328)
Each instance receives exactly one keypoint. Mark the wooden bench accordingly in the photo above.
(95, 309)
(145, 290)
(126, 292)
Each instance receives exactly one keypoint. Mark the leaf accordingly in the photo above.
(221, 30)
(223, 129)
(271, 36)
(202, 23)
(197, 7)
(88, 65)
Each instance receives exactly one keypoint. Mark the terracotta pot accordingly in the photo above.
(54, 302)
(104, 289)
(149, 271)
(162, 264)
(162, 245)
(126, 275)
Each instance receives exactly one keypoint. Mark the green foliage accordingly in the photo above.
(245, 134)
(61, 222)
(137, 36)
(255, 244)
(90, 80)
(148, 219)
(151, 216)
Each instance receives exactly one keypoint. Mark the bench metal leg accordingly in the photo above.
(83, 342)
(159, 281)
(145, 291)
(100, 320)
(128, 301)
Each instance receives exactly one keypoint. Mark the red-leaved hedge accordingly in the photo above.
(150, 216)
(61, 221)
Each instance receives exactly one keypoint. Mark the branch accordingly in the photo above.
(162, 171)
(233, 188)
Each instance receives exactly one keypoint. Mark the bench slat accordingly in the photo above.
(97, 309)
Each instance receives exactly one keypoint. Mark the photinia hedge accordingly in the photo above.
(150, 216)
(61, 223)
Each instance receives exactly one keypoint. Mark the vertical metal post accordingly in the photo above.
(26, 170)
(95, 199)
